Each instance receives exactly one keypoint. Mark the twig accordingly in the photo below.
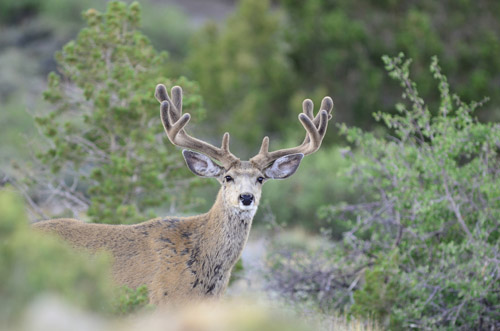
(32, 204)
(455, 207)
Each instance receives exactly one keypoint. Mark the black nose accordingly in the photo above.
(246, 199)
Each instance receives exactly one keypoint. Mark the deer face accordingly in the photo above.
(242, 182)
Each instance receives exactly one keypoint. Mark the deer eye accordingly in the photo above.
(260, 179)
(228, 178)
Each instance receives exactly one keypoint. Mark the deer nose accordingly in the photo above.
(246, 198)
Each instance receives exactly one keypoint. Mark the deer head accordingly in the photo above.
(241, 180)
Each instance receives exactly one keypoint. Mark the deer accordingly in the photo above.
(181, 259)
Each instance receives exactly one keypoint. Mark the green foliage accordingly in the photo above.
(243, 72)
(34, 263)
(423, 246)
(308, 190)
(105, 129)
(336, 45)
(381, 290)
(431, 200)
(129, 300)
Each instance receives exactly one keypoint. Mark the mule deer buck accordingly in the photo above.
(186, 258)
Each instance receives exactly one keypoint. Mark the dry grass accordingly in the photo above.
(49, 313)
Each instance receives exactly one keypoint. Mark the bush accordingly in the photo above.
(129, 300)
(34, 264)
(106, 141)
(308, 189)
(433, 193)
(423, 249)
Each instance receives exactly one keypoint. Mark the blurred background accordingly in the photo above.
(70, 76)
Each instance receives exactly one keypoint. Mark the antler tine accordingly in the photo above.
(326, 104)
(315, 132)
(307, 105)
(177, 99)
(174, 123)
(161, 95)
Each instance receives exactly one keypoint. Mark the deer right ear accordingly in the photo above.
(201, 165)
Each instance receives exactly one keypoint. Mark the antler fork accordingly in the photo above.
(315, 132)
(174, 123)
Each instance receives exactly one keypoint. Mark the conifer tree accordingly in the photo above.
(105, 134)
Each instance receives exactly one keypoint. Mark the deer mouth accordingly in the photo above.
(241, 206)
(251, 206)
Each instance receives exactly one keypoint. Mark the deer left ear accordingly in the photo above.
(284, 167)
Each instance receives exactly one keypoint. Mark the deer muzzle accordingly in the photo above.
(246, 199)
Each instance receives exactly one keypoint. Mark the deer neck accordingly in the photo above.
(227, 229)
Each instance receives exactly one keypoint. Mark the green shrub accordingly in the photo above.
(104, 132)
(433, 188)
(129, 300)
(308, 190)
(380, 290)
(34, 264)
(423, 247)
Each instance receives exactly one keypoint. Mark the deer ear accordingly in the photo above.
(201, 165)
(284, 167)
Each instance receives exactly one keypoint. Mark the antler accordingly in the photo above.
(315, 132)
(174, 123)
